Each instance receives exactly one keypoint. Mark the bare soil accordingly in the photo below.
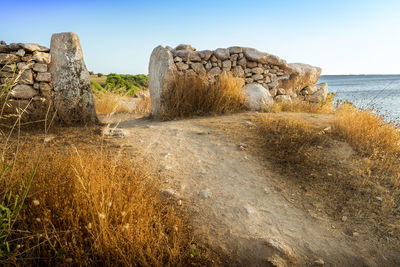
(240, 203)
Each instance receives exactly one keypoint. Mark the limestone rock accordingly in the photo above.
(43, 77)
(226, 65)
(41, 57)
(238, 72)
(283, 98)
(20, 53)
(185, 47)
(242, 62)
(257, 70)
(205, 54)
(73, 97)
(198, 68)
(222, 53)
(162, 73)
(45, 89)
(256, 96)
(320, 95)
(4, 48)
(177, 59)
(9, 68)
(251, 64)
(14, 47)
(8, 58)
(23, 91)
(235, 50)
(257, 77)
(301, 76)
(39, 67)
(188, 55)
(182, 66)
(215, 71)
(26, 77)
(263, 58)
(34, 47)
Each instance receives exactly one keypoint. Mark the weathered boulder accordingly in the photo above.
(23, 91)
(26, 77)
(73, 99)
(256, 96)
(162, 73)
(301, 75)
(320, 93)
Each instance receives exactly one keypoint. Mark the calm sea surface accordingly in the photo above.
(378, 92)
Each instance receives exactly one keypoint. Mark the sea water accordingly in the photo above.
(380, 93)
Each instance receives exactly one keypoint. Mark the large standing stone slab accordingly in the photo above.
(162, 74)
(73, 99)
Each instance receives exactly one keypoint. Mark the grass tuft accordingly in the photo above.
(87, 208)
(195, 95)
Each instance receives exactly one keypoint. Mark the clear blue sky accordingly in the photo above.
(342, 37)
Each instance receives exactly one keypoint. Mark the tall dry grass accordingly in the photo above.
(195, 95)
(365, 187)
(89, 208)
(326, 107)
(111, 103)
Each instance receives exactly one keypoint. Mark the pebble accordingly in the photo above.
(169, 193)
(344, 218)
(167, 167)
(355, 234)
(319, 262)
(205, 193)
(277, 245)
(203, 172)
(165, 154)
(379, 198)
(249, 209)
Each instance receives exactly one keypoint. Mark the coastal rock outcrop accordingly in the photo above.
(284, 82)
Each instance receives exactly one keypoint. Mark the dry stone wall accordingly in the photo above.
(45, 82)
(279, 80)
(26, 67)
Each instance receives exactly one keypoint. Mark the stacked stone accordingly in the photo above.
(27, 65)
(249, 64)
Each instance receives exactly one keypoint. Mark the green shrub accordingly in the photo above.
(96, 87)
(126, 83)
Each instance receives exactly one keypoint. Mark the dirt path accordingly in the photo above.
(234, 198)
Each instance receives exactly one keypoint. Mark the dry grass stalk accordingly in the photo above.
(90, 208)
(195, 95)
(326, 107)
(361, 187)
(110, 103)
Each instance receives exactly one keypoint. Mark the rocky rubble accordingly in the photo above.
(282, 81)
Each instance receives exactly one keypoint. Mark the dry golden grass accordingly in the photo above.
(194, 95)
(366, 132)
(89, 208)
(366, 190)
(110, 103)
(326, 107)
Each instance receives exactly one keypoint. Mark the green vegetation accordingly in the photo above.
(124, 84)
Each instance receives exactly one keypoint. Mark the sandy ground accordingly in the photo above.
(238, 203)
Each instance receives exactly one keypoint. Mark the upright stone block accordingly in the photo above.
(73, 99)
